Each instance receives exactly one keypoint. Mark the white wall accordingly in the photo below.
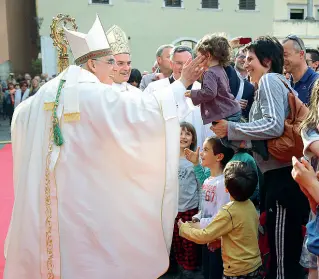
(149, 25)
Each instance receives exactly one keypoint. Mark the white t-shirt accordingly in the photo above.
(214, 196)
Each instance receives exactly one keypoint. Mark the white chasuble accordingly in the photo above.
(194, 115)
(109, 209)
(125, 86)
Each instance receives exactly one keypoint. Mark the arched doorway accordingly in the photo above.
(185, 41)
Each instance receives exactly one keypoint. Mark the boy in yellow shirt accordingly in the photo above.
(236, 224)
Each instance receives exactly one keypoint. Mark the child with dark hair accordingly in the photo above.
(135, 78)
(236, 224)
(240, 155)
(185, 251)
(240, 180)
(215, 97)
(214, 158)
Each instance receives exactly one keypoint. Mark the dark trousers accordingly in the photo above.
(257, 274)
(212, 263)
(9, 109)
(287, 209)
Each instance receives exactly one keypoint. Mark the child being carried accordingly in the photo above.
(215, 98)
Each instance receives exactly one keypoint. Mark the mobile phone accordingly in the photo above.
(244, 41)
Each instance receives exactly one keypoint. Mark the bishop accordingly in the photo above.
(95, 172)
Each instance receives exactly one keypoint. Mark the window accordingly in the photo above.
(100, 1)
(173, 3)
(210, 4)
(297, 13)
(247, 4)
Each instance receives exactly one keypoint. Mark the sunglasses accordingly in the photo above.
(296, 39)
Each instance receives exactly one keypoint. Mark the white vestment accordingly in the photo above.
(194, 117)
(114, 182)
(125, 86)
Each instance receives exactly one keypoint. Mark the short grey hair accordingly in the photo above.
(179, 49)
(298, 43)
(160, 50)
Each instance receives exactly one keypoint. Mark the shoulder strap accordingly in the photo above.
(286, 85)
(291, 100)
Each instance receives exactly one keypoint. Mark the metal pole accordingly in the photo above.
(310, 10)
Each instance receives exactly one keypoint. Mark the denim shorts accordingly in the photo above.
(307, 259)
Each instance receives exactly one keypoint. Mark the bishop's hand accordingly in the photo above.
(192, 70)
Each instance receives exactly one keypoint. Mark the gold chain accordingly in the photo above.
(48, 210)
(47, 190)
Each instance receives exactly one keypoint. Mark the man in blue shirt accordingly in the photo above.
(303, 77)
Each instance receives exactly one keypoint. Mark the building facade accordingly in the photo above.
(298, 17)
(18, 32)
(151, 23)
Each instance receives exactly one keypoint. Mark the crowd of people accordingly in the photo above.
(248, 87)
(14, 90)
(245, 104)
(242, 212)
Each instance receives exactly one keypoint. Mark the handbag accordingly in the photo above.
(290, 143)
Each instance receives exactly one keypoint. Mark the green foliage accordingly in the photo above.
(36, 67)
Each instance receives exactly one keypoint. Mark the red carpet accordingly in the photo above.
(6, 197)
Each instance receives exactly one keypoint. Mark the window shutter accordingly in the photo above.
(247, 4)
(173, 3)
(100, 2)
(210, 4)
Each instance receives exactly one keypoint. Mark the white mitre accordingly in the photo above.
(117, 40)
(92, 45)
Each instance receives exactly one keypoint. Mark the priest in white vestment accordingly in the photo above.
(95, 172)
(120, 48)
(179, 56)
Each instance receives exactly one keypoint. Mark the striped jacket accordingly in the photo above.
(266, 118)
